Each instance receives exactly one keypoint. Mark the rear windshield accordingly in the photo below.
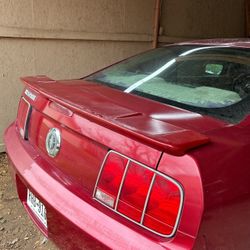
(212, 80)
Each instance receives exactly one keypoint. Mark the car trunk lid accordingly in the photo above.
(107, 108)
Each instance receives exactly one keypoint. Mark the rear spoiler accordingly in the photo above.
(79, 99)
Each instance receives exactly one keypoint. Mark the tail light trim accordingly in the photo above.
(24, 133)
(156, 173)
(147, 198)
(121, 185)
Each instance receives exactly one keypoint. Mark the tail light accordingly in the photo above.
(140, 194)
(23, 116)
(110, 179)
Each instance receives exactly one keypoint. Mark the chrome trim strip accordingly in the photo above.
(147, 198)
(121, 184)
(99, 174)
(155, 174)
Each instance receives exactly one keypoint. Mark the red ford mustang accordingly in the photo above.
(150, 153)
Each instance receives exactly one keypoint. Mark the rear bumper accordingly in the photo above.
(72, 222)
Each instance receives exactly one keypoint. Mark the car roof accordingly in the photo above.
(228, 42)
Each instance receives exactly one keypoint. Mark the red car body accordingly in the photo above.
(205, 159)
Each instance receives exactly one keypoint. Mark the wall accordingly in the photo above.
(184, 20)
(65, 39)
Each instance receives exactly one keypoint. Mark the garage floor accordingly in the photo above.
(16, 229)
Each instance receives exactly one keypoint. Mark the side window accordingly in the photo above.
(190, 68)
(214, 69)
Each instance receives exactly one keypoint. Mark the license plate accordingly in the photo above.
(37, 207)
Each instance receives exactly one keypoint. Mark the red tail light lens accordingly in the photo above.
(140, 194)
(22, 116)
(134, 191)
(110, 179)
(163, 206)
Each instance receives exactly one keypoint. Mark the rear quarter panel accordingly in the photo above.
(225, 172)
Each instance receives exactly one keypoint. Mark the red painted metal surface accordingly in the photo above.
(74, 218)
(207, 157)
(102, 105)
